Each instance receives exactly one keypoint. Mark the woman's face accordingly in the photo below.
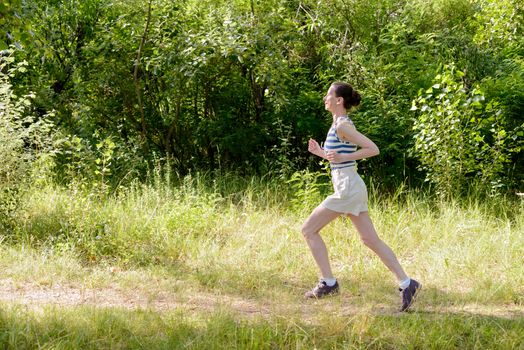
(330, 100)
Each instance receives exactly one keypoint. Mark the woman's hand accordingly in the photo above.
(335, 157)
(315, 148)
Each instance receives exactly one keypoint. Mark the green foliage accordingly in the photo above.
(23, 138)
(228, 85)
(460, 136)
(500, 23)
(93, 328)
(91, 166)
(308, 188)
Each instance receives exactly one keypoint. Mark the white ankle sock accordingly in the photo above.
(405, 283)
(329, 281)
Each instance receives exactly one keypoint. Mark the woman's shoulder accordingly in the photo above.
(344, 121)
(344, 129)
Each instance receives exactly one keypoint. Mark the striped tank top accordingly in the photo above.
(334, 143)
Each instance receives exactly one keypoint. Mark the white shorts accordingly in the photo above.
(351, 195)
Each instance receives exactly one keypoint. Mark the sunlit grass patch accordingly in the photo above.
(91, 328)
(205, 259)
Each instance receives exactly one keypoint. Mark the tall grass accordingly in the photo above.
(240, 238)
(88, 328)
(211, 226)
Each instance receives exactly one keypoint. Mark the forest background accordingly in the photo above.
(108, 87)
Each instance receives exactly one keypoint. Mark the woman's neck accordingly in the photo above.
(339, 114)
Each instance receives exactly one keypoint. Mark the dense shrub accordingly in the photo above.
(238, 84)
(23, 138)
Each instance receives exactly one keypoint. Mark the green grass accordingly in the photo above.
(220, 263)
(92, 328)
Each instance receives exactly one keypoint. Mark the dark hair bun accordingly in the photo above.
(351, 96)
(355, 98)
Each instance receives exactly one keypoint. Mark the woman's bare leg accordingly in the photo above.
(369, 237)
(319, 218)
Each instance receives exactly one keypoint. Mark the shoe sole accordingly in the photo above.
(314, 297)
(413, 298)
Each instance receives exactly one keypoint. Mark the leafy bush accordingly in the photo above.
(23, 138)
(238, 85)
(459, 136)
(309, 189)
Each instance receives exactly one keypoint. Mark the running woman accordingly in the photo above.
(343, 146)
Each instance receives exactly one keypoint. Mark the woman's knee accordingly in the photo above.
(371, 241)
(308, 231)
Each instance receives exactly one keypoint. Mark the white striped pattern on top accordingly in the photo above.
(334, 143)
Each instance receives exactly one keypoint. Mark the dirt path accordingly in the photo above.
(36, 296)
(71, 295)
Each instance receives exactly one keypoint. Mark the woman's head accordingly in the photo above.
(351, 96)
(341, 93)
